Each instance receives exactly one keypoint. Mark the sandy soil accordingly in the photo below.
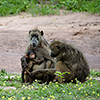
(79, 29)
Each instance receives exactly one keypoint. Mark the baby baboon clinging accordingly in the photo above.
(69, 59)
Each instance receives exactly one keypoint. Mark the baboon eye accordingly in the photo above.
(34, 35)
(42, 33)
(58, 47)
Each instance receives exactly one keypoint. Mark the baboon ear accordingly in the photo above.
(62, 46)
(29, 31)
(42, 33)
(58, 47)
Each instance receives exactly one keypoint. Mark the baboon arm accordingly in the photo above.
(50, 58)
(39, 61)
(47, 71)
(23, 77)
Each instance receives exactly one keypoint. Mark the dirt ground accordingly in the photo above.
(80, 29)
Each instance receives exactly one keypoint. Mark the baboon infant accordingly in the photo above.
(69, 59)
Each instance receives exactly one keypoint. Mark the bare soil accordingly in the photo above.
(80, 29)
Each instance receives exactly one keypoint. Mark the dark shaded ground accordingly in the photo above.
(79, 29)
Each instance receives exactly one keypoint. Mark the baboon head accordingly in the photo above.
(31, 55)
(35, 37)
(56, 48)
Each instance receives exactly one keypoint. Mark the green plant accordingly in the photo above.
(94, 73)
(3, 72)
(58, 73)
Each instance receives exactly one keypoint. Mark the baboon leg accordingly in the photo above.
(27, 77)
(22, 75)
(80, 75)
(60, 66)
(53, 61)
(33, 73)
(49, 78)
(48, 64)
(46, 75)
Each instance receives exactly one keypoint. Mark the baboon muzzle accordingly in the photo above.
(34, 42)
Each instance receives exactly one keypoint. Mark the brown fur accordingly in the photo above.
(69, 59)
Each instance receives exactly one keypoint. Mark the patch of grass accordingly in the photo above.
(8, 7)
(92, 6)
(43, 9)
(47, 7)
(89, 90)
(95, 73)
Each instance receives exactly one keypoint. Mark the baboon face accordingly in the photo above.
(35, 37)
(31, 55)
(56, 48)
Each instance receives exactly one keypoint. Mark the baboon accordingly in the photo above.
(69, 59)
(41, 47)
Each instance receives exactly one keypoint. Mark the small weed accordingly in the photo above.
(61, 75)
(95, 73)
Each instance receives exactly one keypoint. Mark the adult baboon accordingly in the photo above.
(40, 46)
(69, 59)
